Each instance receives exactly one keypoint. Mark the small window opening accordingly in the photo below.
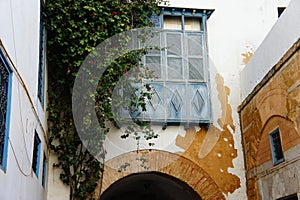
(276, 147)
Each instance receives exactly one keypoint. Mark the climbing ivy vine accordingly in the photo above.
(74, 29)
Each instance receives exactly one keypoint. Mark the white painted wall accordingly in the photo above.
(283, 35)
(19, 33)
(57, 190)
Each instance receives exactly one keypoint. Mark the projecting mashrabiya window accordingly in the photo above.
(180, 64)
(5, 87)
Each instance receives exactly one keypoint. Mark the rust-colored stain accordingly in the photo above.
(213, 149)
(294, 106)
(247, 55)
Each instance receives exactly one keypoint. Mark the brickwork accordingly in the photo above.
(273, 104)
(289, 138)
(164, 162)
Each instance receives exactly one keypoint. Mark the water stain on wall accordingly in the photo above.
(213, 149)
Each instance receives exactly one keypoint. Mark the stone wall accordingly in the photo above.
(274, 103)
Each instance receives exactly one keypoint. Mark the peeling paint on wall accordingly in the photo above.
(213, 149)
(247, 55)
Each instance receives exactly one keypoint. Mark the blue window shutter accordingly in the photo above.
(5, 98)
(199, 102)
(42, 57)
(276, 147)
(36, 154)
(156, 107)
(176, 102)
(44, 175)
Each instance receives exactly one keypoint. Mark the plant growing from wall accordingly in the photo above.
(74, 28)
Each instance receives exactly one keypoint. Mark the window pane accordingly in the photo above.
(153, 43)
(36, 152)
(172, 22)
(44, 171)
(174, 43)
(276, 147)
(196, 69)
(192, 24)
(174, 67)
(195, 46)
(153, 62)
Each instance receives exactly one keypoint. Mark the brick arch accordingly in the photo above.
(164, 162)
(259, 150)
(290, 137)
(265, 107)
(268, 106)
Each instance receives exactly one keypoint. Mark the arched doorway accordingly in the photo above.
(149, 186)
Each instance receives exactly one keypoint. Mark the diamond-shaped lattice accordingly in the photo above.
(198, 101)
(176, 101)
(155, 101)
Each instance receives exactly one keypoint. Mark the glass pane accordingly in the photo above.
(195, 46)
(172, 22)
(277, 146)
(174, 67)
(153, 43)
(196, 69)
(192, 24)
(155, 19)
(153, 62)
(134, 39)
(174, 43)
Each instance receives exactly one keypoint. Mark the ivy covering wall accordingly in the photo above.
(74, 29)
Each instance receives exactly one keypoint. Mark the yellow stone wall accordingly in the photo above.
(274, 103)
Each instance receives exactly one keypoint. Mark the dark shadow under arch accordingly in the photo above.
(150, 186)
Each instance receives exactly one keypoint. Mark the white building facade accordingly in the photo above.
(24, 153)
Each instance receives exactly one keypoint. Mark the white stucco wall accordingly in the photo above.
(20, 34)
(283, 35)
(57, 190)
